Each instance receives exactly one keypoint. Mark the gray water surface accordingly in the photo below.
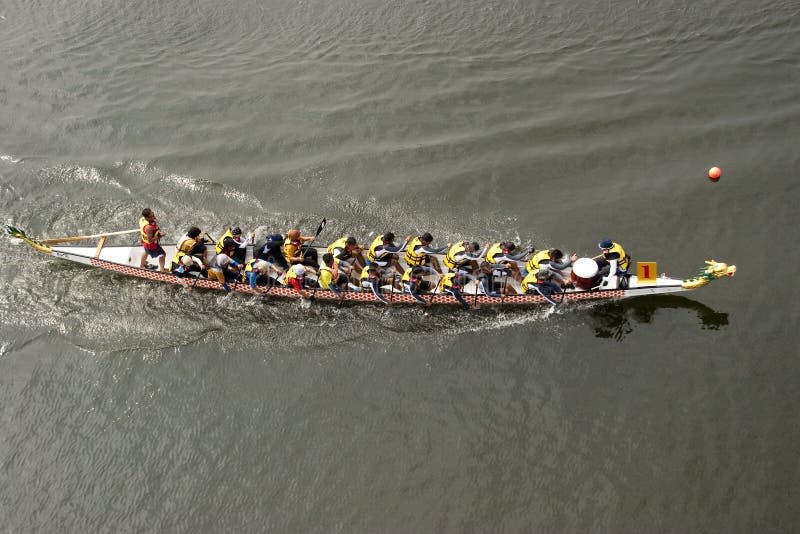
(127, 405)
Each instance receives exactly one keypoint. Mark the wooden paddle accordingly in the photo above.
(82, 237)
(319, 231)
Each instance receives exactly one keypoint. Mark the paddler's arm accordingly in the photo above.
(414, 292)
(460, 298)
(608, 257)
(374, 286)
(394, 249)
(563, 265)
(431, 250)
(477, 255)
(517, 257)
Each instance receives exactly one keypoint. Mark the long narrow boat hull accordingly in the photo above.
(125, 260)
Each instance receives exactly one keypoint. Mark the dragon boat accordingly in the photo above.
(589, 286)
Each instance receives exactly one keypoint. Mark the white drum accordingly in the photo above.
(584, 273)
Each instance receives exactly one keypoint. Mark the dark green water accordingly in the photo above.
(132, 406)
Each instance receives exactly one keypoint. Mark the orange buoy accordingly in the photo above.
(714, 173)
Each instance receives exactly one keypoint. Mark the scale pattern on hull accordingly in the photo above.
(350, 296)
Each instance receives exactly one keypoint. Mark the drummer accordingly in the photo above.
(612, 254)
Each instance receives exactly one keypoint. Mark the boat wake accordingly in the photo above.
(142, 169)
(70, 174)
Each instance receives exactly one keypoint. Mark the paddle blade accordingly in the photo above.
(321, 227)
(547, 295)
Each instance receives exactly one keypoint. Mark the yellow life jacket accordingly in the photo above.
(326, 277)
(532, 278)
(187, 245)
(176, 259)
(339, 243)
(412, 257)
(624, 260)
(447, 280)
(290, 275)
(377, 242)
(450, 257)
(290, 249)
(144, 222)
(407, 276)
(494, 250)
(220, 244)
(248, 268)
(250, 265)
(537, 258)
(333, 276)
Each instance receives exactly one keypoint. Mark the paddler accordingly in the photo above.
(193, 243)
(463, 256)
(612, 254)
(451, 283)
(182, 263)
(371, 280)
(419, 249)
(347, 250)
(256, 273)
(413, 282)
(295, 252)
(184, 266)
(552, 257)
(270, 249)
(486, 278)
(233, 244)
(540, 280)
(296, 277)
(500, 257)
(151, 235)
(330, 274)
(383, 251)
(221, 268)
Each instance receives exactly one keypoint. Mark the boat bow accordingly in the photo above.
(713, 270)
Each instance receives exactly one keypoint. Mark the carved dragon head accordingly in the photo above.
(719, 269)
(713, 270)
